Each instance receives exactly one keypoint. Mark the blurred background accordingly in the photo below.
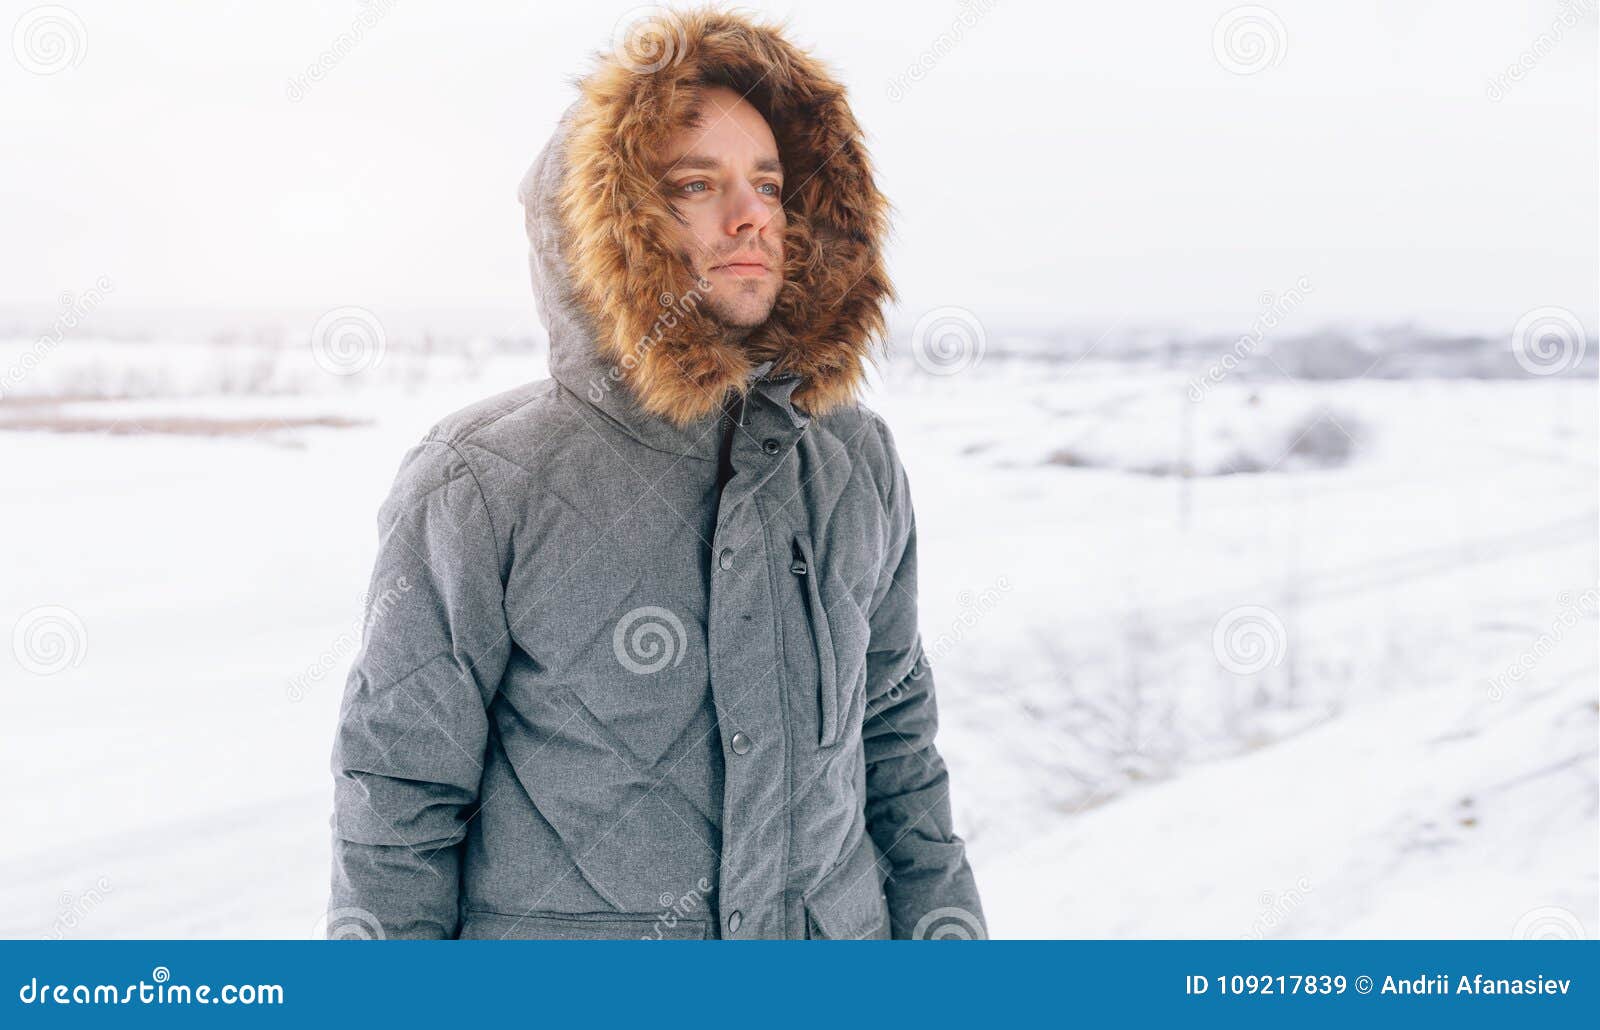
(1245, 373)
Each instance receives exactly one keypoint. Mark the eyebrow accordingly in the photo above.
(703, 161)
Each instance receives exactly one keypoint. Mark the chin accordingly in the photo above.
(744, 318)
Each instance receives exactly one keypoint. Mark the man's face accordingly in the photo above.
(724, 179)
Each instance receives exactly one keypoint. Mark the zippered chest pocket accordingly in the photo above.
(839, 639)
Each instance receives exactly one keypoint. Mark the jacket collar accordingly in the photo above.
(603, 385)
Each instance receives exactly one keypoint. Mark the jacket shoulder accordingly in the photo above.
(521, 408)
(865, 435)
(489, 441)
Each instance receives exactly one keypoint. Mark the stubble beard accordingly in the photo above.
(738, 309)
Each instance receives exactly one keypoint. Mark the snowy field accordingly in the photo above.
(1304, 657)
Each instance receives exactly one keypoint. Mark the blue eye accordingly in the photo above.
(776, 189)
(690, 186)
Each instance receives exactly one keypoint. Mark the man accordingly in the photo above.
(648, 664)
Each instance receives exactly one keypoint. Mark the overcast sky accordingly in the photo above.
(1066, 161)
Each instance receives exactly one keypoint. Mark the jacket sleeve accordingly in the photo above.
(408, 754)
(930, 886)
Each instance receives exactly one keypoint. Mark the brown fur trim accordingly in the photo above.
(829, 311)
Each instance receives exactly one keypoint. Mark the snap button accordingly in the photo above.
(734, 920)
(741, 743)
(771, 446)
(725, 559)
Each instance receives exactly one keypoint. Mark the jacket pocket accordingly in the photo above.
(586, 926)
(806, 571)
(849, 903)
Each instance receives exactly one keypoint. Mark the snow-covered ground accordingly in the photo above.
(1340, 680)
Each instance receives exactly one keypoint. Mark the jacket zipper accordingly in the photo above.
(732, 417)
(804, 568)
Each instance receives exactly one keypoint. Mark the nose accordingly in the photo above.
(747, 212)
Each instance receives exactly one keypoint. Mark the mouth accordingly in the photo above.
(746, 268)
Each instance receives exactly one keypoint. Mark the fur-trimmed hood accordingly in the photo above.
(619, 305)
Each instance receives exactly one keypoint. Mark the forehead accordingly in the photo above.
(727, 129)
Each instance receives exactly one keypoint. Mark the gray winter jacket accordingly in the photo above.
(602, 695)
